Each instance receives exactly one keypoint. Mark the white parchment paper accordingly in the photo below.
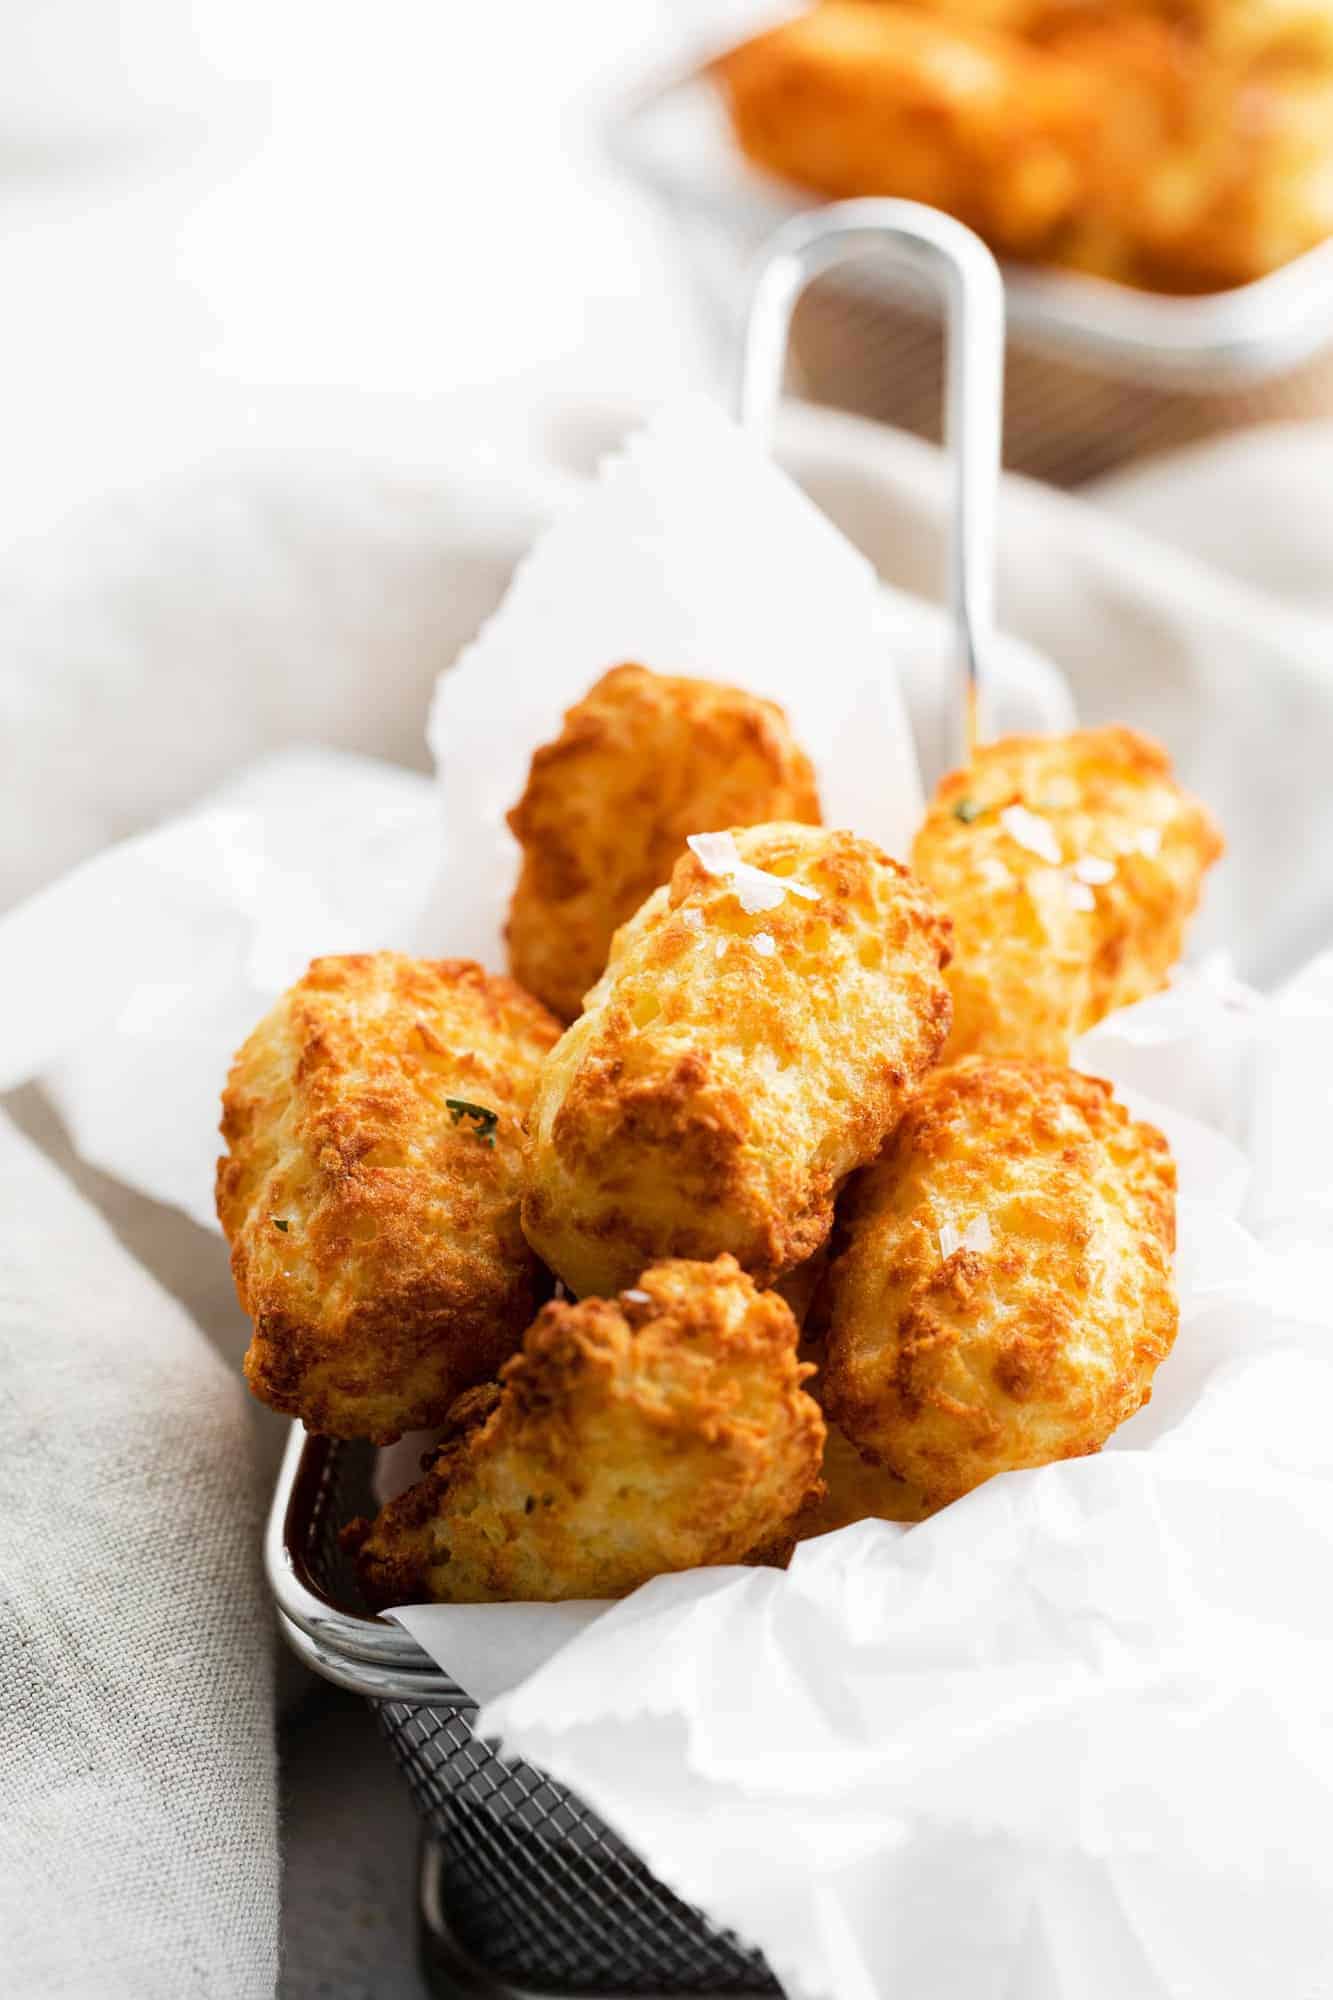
(1072, 1739)
(129, 984)
(691, 554)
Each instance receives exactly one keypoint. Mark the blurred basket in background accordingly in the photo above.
(1098, 374)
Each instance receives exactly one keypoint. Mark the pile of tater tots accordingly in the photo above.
(759, 1197)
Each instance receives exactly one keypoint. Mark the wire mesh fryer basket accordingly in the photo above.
(539, 1896)
(533, 1894)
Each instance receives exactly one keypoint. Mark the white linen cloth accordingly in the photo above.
(138, 1837)
(127, 689)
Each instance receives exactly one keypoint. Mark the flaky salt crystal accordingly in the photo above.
(763, 944)
(716, 853)
(756, 889)
(1091, 868)
(1031, 831)
(638, 1298)
(976, 1236)
(1149, 841)
(1081, 896)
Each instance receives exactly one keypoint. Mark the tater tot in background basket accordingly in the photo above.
(1176, 152)
(757, 1032)
(861, 99)
(1207, 173)
(1286, 32)
(661, 1430)
(1006, 1292)
(1070, 866)
(642, 761)
(370, 1192)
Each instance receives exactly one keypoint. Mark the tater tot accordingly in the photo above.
(759, 1027)
(662, 1430)
(1006, 1293)
(1070, 866)
(1290, 33)
(1210, 172)
(643, 760)
(370, 1192)
(1180, 145)
(864, 99)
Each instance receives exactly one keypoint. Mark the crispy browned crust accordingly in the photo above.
(401, 1274)
(708, 1103)
(642, 761)
(1182, 145)
(949, 1368)
(1031, 969)
(662, 1430)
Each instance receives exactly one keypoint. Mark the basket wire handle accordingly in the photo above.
(965, 273)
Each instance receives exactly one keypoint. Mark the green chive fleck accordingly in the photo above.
(967, 810)
(279, 1222)
(482, 1120)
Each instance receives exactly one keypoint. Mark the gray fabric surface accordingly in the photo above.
(348, 1830)
(137, 1853)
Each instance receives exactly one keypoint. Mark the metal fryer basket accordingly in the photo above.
(527, 1892)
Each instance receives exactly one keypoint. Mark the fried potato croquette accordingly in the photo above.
(1070, 866)
(370, 1192)
(1006, 1292)
(1207, 173)
(643, 760)
(1251, 31)
(659, 1431)
(758, 1029)
(867, 99)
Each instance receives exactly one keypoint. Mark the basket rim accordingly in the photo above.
(370, 1656)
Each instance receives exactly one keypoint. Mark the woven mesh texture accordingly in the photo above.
(537, 1891)
(1063, 422)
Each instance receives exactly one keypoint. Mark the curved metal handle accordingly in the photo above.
(964, 271)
